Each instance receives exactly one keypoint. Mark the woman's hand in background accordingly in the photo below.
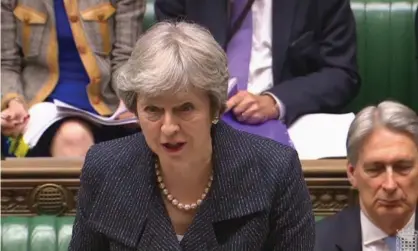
(14, 118)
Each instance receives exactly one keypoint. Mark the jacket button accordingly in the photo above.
(95, 80)
(74, 19)
(26, 19)
(81, 49)
(100, 17)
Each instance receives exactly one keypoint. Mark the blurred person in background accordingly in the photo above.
(65, 50)
(382, 152)
(291, 57)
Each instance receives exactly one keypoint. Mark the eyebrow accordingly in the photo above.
(396, 162)
(175, 106)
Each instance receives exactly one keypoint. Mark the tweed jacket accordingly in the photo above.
(258, 199)
(105, 32)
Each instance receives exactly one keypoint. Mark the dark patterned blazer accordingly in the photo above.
(258, 200)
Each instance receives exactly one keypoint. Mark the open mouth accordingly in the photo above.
(173, 147)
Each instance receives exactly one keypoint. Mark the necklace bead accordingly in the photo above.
(173, 200)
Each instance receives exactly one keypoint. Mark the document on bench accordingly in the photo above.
(317, 136)
(45, 114)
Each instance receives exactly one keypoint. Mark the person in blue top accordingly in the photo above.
(67, 51)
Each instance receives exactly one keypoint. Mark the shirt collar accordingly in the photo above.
(371, 233)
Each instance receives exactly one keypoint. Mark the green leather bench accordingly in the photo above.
(386, 52)
(40, 233)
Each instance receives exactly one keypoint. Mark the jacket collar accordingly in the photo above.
(349, 220)
(137, 208)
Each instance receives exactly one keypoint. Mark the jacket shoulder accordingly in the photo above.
(328, 229)
(262, 146)
(106, 155)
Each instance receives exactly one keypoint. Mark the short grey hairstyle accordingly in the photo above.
(172, 57)
(388, 114)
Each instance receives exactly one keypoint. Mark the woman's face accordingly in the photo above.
(177, 127)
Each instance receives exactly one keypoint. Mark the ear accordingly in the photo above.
(351, 174)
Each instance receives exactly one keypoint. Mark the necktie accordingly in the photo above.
(391, 242)
(239, 48)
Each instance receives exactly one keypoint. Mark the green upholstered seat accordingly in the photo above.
(40, 233)
(386, 52)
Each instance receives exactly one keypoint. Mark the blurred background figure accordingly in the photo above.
(382, 153)
(291, 57)
(65, 50)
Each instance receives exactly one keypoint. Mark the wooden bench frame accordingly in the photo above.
(49, 186)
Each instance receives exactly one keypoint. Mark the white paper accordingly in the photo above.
(321, 135)
(231, 84)
(69, 110)
(43, 115)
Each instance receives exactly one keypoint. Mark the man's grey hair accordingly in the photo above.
(388, 114)
(174, 57)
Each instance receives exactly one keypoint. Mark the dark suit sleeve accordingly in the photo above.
(293, 215)
(337, 82)
(83, 237)
(169, 9)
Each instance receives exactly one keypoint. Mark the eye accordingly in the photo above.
(374, 169)
(187, 107)
(403, 168)
(152, 109)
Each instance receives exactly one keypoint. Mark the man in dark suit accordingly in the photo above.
(383, 166)
(291, 57)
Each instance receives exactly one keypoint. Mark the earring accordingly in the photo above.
(215, 120)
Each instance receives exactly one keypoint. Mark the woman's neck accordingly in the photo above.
(186, 181)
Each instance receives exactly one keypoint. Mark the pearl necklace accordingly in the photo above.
(174, 201)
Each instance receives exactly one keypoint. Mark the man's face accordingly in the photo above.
(386, 175)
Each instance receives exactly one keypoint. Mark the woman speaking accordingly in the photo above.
(188, 181)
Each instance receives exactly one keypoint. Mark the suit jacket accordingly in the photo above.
(313, 48)
(342, 231)
(105, 32)
(258, 200)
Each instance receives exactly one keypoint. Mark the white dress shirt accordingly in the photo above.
(373, 237)
(260, 77)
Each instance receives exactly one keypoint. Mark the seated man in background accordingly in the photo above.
(66, 51)
(290, 57)
(383, 165)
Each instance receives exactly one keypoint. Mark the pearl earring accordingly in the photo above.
(215, 120)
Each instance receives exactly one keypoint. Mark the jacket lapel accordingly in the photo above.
(283, 15)
(159, 232)
(349, 220)
(131, 191)
(235, 186)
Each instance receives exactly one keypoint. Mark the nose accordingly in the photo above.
(389, 185)
(169, 126)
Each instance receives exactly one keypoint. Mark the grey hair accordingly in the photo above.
(389, 114)
(173, 57)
